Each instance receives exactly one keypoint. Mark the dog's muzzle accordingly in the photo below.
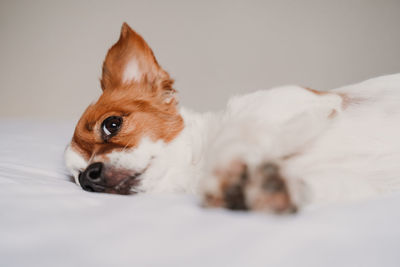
(99, 178)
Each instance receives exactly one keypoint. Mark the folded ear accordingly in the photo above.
(131, 61)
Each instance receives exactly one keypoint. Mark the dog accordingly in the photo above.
(273, 150)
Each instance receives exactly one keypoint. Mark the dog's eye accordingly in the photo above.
(111, 126)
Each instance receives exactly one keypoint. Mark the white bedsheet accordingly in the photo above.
(46, 220)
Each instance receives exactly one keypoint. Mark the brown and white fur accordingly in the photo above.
(272, 150)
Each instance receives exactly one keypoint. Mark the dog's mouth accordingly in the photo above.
(108, 179)
(129, 181)
(126, 186)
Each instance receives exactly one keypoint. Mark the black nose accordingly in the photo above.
(92, 178)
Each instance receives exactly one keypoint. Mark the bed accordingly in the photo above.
(47, 220)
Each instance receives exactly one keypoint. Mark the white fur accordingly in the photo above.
(75, 162)
(132, 72)
(351, 155)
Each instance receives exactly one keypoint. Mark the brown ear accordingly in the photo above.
(131, 61)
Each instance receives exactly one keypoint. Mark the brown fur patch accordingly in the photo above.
(346, 100)
(316, 91)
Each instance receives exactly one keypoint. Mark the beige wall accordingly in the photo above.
(51, 51)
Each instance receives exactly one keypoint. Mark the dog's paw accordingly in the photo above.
(239, 186)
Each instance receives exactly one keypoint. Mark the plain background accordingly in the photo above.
(51, 51)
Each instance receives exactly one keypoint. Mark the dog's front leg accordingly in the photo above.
(246, 165)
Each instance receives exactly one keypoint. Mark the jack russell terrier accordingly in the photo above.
(272, 150)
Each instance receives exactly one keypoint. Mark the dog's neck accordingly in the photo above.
(179, 165)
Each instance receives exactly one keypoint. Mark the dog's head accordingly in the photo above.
(117, 137)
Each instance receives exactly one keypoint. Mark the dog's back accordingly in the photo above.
(342, 144)
(360, 151)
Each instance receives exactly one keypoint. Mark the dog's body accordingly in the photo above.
(272, 150)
